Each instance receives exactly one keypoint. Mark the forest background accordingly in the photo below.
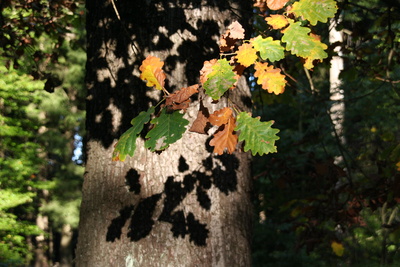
(327, 197)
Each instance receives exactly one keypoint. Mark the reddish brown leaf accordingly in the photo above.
(226, 42)
(201, 124)
(225, 138)
(220, 117)
(182, 95)
(180, 99)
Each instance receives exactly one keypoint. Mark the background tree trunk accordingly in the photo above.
(181, 207)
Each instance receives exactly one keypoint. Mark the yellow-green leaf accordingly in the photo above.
(337, 248)
(315, 10)
(300, 43)
(269, 48)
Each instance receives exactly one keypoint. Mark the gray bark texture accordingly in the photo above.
(185, 206)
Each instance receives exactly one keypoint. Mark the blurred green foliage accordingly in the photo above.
(317, 189)
(41, 123)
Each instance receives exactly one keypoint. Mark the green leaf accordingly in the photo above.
(315, 10)
(168, 128)
(220, 79)
(300, 43)
(127, 142)
(259, 137)
(268, 48)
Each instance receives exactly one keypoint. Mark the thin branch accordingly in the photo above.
(116, 10)
(309, 79)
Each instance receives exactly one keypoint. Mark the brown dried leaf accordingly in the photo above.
(201, 124)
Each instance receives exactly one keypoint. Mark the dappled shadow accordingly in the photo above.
(116, 49)
(182, 224)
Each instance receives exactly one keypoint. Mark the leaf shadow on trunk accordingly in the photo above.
(223, 177)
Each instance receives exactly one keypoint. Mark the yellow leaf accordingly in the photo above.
(277, 21)
(246, 54)
(270, 78)
(398, 166)
(151, 71)
(337, 248)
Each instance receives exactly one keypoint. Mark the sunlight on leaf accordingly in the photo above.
(276, 21)
(315, 10)
(259, 136)
(220, 79)
(269, 48)
(246, 55)
(152, 73)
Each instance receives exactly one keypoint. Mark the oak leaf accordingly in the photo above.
(220, 79)
(168, 128)
(236, 30)
(246, 55)
(126, 144)
(180, 99)
(300, 43)
(269, 48)
(151, 71)
(270, 78)
(276, 4)
(207, 69)
(315, 10)
(221, 116)
(225, 138)
(201, 124)
(277, 21)
(259, 137)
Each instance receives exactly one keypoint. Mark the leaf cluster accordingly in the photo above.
(218, 76)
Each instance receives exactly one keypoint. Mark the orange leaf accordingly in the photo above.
(277, 21)
(152, 72)
(246, 54)
(201, 123)
(225, 138)
(221, 116)
(276, 4)
(236, 30)
(270, 78)
(207, 69)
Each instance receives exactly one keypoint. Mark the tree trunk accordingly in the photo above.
(337, 109)
(184, 206)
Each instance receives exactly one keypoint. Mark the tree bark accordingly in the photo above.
(184, 206)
